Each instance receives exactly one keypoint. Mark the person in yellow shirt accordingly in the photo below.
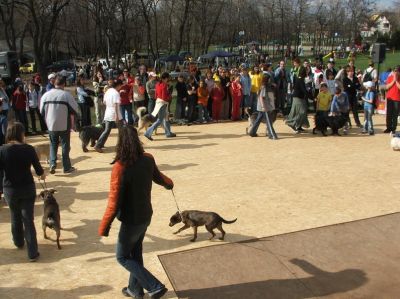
(323, 100)
(256, 82)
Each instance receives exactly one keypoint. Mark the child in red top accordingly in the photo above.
(236, 90)
(202, 101)
(19, 102)
(217, 95)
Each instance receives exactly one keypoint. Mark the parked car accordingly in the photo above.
(58, 66)
(27, 68)
(9, 67)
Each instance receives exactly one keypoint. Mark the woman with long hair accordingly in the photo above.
(16, 160)
(129, 200)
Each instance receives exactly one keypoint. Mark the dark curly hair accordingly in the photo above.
(129, 147)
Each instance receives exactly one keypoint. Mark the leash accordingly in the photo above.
(176, 203)
(44, 186)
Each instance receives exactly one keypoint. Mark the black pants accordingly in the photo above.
(392, 112)
(192, 103)
(32, 113)
(354, 108)
(20, 115)
(85, 112)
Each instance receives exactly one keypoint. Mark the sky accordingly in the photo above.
(383, 3)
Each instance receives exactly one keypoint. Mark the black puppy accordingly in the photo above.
(51, 214)
(195, 218)
(88, 134)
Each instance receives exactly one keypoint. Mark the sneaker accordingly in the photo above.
(127, 293)
(371, 133)
(53, 169)
(98, 149)
(171, 135)
(159, 294)
(34, 259)
(72, 169)
(149, 137)
(387, 131)
(253, 135)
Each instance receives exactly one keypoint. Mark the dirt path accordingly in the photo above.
(272, 187)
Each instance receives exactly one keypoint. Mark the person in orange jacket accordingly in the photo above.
(129, 200)
(202, 102)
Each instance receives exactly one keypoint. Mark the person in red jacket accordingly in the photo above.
(129, 200)
(19, 103)
(237, 94)
(126, 102)
(393, 100)
(163, 98)
(217, 95)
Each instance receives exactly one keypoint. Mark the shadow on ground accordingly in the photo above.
(320, 283)
(76, 293)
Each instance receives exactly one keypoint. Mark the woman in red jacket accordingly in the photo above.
(129, 200)
(217, 95)
(19, 103)
(236, 89)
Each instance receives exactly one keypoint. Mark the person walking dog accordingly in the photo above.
(129, 200)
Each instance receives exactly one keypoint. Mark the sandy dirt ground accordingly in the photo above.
(272, 187)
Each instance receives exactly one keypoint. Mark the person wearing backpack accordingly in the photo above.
(370, 74)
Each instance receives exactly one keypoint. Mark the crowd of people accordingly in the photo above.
(262, 92)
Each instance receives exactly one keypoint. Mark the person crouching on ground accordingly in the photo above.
(368, 101)
(265, 108)
(339, 112)
(112, 115)
(130, 201)
(202, 102)
(16, 159)
(163, 97)
(323, 103)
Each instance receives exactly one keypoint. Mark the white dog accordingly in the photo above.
(395, 141)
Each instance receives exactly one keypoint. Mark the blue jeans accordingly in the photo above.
(162, 119)
(104, 136)
(55, 138)
(126, 111)
(203, 113)
(270, 128)
(3, 126)
(129, 255)
(368, 124)
(22, 224)
(150, 105)
(252, 102)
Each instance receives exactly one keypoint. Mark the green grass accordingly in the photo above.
(361, 62)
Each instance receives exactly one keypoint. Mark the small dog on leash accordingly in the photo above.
(145, 119)
(395, 141)
(51, 214)
(195, 219)
(88, 134)
(42, 151)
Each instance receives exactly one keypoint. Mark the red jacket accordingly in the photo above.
(393, 93)
(217, 94)
(19, 100)
(162, 92)
(126, 94)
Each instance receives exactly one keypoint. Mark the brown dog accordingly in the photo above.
(51, 214)
(195, 218)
